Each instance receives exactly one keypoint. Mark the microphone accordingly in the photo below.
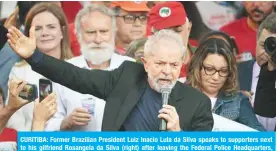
(165, 93)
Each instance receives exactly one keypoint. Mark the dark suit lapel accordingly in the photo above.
(175, 97)
(130, 101)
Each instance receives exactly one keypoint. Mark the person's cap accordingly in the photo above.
(131, 6)
(167, 15)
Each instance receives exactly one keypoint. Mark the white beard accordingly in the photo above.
(97, 54)
(156, 86)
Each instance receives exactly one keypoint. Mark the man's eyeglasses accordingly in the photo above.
(212, 71)
(130, 19)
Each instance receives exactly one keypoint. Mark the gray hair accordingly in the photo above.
(269, 24)
(165, 34)
(89, 9)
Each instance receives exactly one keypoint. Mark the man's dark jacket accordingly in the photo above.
(122, 88)
(245, 72)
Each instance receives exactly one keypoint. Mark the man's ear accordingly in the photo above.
(143, 60)
(153, 30)
(190, 26)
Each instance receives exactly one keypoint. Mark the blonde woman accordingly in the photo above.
(51, 31)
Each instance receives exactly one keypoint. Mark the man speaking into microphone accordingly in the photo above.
(133, 91)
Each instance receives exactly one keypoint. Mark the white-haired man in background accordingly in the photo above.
(95, 30)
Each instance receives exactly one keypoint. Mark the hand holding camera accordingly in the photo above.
(15, 87)
(270, 49)
(45, 109)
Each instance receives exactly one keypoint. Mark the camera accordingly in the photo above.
(29, 92)
(270, 47)
(45, 88)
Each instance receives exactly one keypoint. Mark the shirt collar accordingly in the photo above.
(83, 63)
(256, 70)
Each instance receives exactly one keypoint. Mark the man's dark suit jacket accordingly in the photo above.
(245, 72)
(122, 88)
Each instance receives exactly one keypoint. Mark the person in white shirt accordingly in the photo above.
(95, 29)
(51, 31)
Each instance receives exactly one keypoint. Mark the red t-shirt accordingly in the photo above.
(8, 135)
(70, 9)
(183, 72)
(245, 37)
(120, 50)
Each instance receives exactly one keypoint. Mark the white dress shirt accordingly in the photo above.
(213, 101)
(255, 77)
(68, 100)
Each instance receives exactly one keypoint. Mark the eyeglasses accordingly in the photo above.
(212, 71)
(130, 19)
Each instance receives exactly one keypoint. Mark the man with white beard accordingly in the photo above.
(95, 30)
